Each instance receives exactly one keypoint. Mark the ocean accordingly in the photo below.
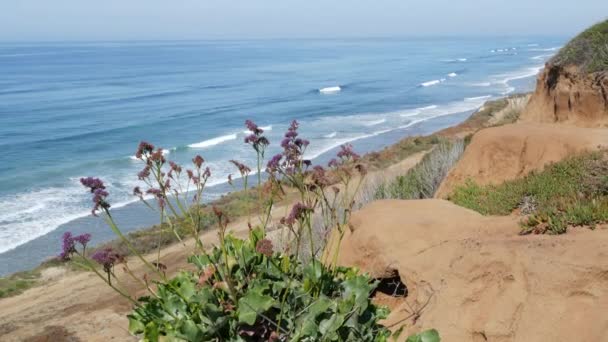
(69, 110)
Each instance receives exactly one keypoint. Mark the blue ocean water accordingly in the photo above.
(69, 110)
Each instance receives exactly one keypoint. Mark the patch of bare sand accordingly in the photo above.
(507, 152)
(480, 281)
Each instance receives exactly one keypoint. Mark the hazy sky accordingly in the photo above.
(210, 19)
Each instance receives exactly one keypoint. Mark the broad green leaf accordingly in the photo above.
(318, 307)
(135, 326)
(190, 330)
(251, 305)
(425, 336)
(359, 288)
(331, 325)
(151, 332)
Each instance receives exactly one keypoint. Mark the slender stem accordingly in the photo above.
(117, 231)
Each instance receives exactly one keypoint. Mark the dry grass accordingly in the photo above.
(420, 182)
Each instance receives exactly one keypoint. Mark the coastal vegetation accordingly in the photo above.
(423, 180)
(245, 289)
(569, 193)
(241, 203)
(588, 51)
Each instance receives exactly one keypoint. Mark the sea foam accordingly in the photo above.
(214, 141)
(330, 90)
(374, 123)
(432, 83)
(469, 99)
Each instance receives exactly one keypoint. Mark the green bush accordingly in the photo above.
(573, 192)
(589, 50)
(244, 290)
(269, 296)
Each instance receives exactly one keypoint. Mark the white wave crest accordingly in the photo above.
(330, 135)
(555, 48)
(413, 122)
(462, 59)
(452, 74)
(481, 84)
(374, 123)
(329, 90)
(430, 83)
(469, 99)
(214, 141)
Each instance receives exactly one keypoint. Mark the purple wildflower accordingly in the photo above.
(346, 153)
(83, 239)
(198, 161)
(137, 192)
(99, 193)
(274, 163)
(68, 247)
(154, 191)
(207, 173)
(144, 173)
(243, 169)
(144, 149)
(107, 257)
(297, 212)
(253, 128)
(92, 183)
(256, 139)
(157, 157)
(99, 201)
(264, 247)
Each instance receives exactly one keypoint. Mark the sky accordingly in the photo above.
(59, 20)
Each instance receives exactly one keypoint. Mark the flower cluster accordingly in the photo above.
(97, 188)
(256, 139)
(68, 247)
(264, 247)
(291, 160)
(144, 150)
(298, 212)
(244, 170)
(107, 258)
(201, 176)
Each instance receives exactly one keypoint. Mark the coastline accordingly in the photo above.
(136, 216)
(73, 291)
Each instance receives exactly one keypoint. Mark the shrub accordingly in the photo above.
(572, 192)
(588, 50)
(424, 179)
(244, 290)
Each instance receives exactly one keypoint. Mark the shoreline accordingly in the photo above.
(135, 217)
(67, 288)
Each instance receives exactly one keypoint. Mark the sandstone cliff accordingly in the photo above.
(573, 87)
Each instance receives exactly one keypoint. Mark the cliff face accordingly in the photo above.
(568, 95)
